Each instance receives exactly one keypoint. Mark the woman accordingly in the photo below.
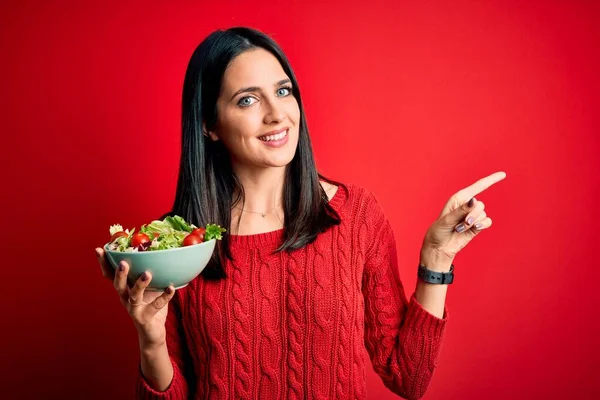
(308, 270)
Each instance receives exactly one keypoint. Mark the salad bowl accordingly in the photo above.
(173, 251)
(177, 267)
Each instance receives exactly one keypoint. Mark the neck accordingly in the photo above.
(263, 188)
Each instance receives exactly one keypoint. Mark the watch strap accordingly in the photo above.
(441, 278)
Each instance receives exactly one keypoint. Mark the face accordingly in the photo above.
(258, 117)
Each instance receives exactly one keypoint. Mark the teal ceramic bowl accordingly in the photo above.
(176, 267)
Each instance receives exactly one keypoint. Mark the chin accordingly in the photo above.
(279, 161)
(281, 157)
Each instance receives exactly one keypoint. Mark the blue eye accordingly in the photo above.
(287, 91)
(246, 101)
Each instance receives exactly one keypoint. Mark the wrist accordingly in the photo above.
(435, 260)
(150, 347)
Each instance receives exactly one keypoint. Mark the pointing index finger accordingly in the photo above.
(481, 185)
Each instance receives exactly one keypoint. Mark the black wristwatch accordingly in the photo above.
(442, 278)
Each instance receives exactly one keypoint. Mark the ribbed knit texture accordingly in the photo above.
(294, 325)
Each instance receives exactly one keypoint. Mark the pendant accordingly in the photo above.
(263, 215)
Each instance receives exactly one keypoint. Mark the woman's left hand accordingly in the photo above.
(462, 218)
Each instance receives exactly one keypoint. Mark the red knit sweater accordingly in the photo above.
(293, 325)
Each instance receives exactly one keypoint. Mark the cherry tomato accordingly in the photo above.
(191, 239)
(200, 232)
(139, 238)
(117, 235)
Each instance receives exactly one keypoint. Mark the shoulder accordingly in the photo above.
(364, 215)
(359, 202)
(362, 196)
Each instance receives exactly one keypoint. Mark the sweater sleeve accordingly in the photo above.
(402, 338)
(179, 355)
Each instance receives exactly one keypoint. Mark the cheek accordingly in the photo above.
(239, 125)
(295, 113)
(295, 116)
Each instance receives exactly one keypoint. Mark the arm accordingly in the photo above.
(432, 297)
(156, 366)
(402, 337)
(162, 369)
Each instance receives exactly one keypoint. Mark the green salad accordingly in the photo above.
(170, 233)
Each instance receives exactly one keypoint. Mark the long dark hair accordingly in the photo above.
(206, 182)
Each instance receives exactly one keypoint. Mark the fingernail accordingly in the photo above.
(478, 225)
(98, 252)
(471, 202)
(168, 290)
(122, 266)
(144, 276)
(460, 228)
(470, 220)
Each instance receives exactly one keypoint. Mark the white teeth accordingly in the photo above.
(279, 136)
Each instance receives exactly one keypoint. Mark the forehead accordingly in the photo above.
(253, 68)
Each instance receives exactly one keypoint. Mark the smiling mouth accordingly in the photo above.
(274, 138)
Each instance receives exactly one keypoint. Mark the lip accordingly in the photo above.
(275, 132)
(277, 143)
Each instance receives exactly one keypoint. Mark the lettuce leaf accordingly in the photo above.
(178, 223)
(213, 232)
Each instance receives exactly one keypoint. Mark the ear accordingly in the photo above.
(209, 134)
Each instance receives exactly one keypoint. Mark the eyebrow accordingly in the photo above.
(256, 88)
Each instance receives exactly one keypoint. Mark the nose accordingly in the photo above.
(274, 112)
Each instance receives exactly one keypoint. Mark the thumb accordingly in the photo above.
(458, 215)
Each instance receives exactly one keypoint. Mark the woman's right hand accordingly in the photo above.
(148, 309)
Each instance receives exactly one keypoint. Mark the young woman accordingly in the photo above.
(307, 273)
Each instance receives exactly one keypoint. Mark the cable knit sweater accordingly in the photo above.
(293, 325)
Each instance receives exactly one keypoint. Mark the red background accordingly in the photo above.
(413, 101)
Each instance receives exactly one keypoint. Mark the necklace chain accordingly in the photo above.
(259, 213)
